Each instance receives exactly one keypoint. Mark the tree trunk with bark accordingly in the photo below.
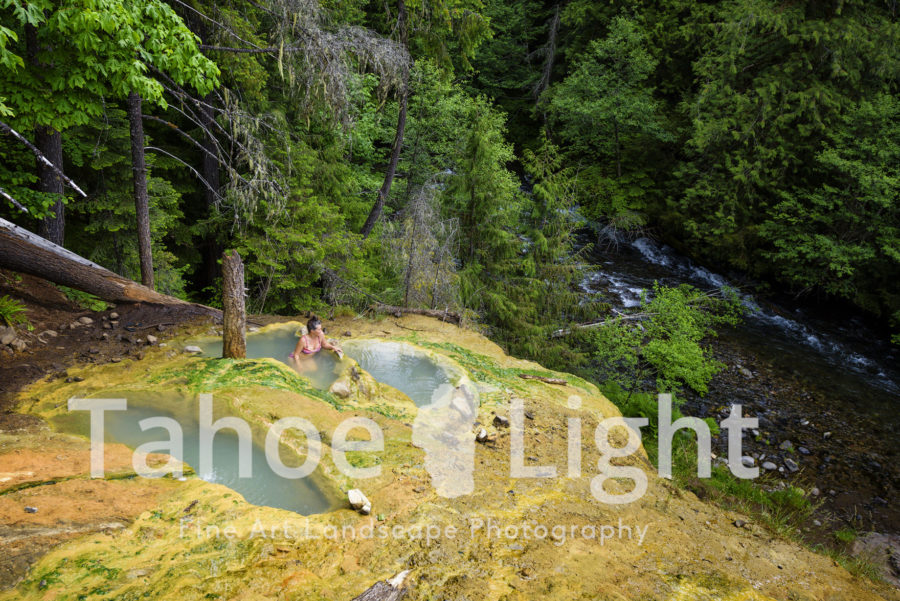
(385, 190)
(234, 343)
(23, 251)
(141, 200)
(49, 142)
(210, 172)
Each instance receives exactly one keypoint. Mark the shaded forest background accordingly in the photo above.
(444, 153)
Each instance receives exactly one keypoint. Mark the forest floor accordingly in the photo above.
(58, 340)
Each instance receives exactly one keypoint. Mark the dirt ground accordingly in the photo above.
(104, 340)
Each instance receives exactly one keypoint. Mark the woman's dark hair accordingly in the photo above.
(312, 324)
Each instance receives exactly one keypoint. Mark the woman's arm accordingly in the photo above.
(328, 346)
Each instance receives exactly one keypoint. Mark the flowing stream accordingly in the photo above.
(829, 386)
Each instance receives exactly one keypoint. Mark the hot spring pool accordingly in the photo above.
(322, 369)
(400, 365)
(265, 487)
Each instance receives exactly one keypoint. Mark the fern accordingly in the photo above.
(12, 312)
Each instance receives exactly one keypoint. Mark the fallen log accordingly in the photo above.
(25, 252)
(386, 590)
(599, 324)
(436, 313)
(558, 381)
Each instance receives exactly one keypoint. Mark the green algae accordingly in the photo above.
(210, 375)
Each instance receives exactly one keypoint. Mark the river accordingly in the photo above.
(829, 386)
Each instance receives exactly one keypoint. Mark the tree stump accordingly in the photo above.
(234, 343)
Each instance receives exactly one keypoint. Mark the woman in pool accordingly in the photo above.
(314, 341)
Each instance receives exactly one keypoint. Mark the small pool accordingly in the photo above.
(265, 487)
(322, 369)
(403, 367)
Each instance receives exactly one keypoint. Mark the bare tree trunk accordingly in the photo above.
(141, 200)
(378, 207)
(21, 250)
(49, 142)
(234, 344)
(549, 59)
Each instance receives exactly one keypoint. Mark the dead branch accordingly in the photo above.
(437, 314)
(14, 202)
(557, 381)
(40, 156)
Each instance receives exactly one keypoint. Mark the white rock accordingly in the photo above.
(746, 372)
(114, 315)
(768, 465)
(358, 500)
(50, 333)
(481, 436)
(815, 492)
(151, 339)
(502, 421)
(366, 509)
(19, 344)
(791, 464)
(341, 389)
(193, 349)
(7, 336)
(748, 461)
(827, 435)
(85, 321)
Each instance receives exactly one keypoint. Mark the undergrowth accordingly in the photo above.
(12, 312)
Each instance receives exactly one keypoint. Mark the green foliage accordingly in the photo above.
(846, 535)
(844, 235)
(789, 162)
(84, 299)
(664, 340)
(86, 53)
(607, 112)
(12, 312)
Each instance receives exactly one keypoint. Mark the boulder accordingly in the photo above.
(358, 501)
(193, 349)
(341, 389)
